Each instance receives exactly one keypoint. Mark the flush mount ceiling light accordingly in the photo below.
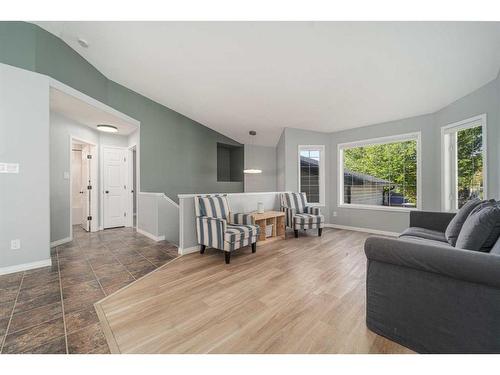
(83, 43)
(107, 128)
(252, 134)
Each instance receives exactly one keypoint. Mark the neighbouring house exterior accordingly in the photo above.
(362, 188)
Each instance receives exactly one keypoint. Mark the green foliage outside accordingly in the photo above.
(394, 162)
(469, 164)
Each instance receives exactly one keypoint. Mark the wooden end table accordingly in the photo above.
(276, 218)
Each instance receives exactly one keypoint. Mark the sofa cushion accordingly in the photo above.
(236, 233)
(426, 241)
(481, 229)
(424, 233)
(496, 247)
(453, 229)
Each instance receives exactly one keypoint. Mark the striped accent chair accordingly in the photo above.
(299, 215)
(221, 229)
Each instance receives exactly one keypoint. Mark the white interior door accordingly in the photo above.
(115, 187)
(85, 183)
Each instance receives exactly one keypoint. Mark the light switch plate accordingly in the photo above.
(66, 175)
(9, 167)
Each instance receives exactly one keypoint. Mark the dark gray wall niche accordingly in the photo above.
(229, 163)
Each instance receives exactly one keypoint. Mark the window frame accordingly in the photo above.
(322, 162)
(414, 136)
(449, 199)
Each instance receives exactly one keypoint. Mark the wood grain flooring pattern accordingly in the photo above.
(304, 295)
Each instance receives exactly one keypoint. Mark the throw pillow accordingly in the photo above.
(453, 229)
(481, 229)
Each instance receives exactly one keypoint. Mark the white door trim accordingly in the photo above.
(130, 205)
(94, 173)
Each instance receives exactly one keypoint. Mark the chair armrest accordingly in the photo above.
(472, 266)
(431, 220)
(312, 210)
(211, 231)
(289, 214)
(245, 219)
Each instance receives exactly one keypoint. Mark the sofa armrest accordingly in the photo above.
(312, 210)
(431, 220)
(472, 266)
(211, 231)
(245, 219)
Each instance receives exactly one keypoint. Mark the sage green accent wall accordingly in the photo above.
(178, 155)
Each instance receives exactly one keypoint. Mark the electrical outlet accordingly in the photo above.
(15, 244)
(335, 213)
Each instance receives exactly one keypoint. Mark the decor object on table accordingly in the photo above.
(260, 208)
(430, 296)
(270, 221)
(299, 215)
(218, 227)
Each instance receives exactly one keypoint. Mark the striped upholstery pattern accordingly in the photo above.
(240, 232)
(217, 227)
(312, 210)
(298, 201)
(212, 206)
(211, 231)
(308, 221)
(298, 214)
(230, 246)
(289, 214)
(240, 218)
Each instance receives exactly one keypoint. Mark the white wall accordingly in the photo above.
(24, 197)
(264, 158)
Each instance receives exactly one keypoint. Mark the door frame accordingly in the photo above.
(101, 184)
(130, 205)
(94, 227)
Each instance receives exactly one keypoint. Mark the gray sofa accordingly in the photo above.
(429, 296)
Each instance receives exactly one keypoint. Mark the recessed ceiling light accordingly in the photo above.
(83, 43)
(107, 128)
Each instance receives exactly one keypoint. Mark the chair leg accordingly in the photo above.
(254, 247)
(227, 255)
(296, 233)
(202, 249)
(320, 230)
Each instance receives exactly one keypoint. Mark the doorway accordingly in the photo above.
(83, 177)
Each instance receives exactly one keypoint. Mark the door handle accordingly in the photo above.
(107, 191)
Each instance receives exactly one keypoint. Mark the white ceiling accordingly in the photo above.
(87, 114)
(326, 76)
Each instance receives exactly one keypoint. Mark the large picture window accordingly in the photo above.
(380, 173)
(311, 173)
(464, 162)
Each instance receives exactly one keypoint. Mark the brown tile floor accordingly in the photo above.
(51, 309)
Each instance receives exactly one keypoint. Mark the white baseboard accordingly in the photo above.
(189, 250)
(25, 266)
(61, 241)
(367, 230)
(150, 235)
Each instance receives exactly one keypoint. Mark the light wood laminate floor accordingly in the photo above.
(304, 295)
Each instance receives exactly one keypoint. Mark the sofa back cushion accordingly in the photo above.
(481, 229)
(212, 206)
(455, 225)
(297, 201)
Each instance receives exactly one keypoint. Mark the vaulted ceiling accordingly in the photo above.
(326, 76)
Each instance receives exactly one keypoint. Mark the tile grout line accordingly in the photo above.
(118, 260)
(12, 313)
(62, 300)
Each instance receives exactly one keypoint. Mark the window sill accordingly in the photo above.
(377, 208)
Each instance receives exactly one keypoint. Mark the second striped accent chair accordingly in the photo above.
(221, 229)
(299, 215)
